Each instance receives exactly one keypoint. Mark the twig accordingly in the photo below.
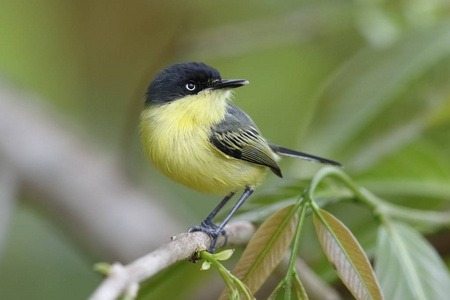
(182, 247)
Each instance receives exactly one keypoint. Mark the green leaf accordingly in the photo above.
(235, 287)
(299, 289)
(266, 249)
(296, 286)
(224, 255)
(205, 266)
(407, 266)
(348, 258)
(103, 268)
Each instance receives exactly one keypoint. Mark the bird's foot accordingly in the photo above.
(211, 229)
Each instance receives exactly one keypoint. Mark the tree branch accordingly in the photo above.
(77, 181)
(182, 247)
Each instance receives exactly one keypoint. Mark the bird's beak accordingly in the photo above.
(229, 84)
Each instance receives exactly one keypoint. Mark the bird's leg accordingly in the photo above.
(211, 229)
(208, 221)
(207, 226)
(248, 191)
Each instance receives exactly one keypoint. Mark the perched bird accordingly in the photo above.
(193, 134)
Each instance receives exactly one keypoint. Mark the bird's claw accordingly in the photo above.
(212, 230)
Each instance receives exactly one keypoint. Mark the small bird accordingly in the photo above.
(193, 134)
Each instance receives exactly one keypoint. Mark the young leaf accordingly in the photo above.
(205, 266)
(407, 266)
(224, 255)
(266, 249)
(348, 258)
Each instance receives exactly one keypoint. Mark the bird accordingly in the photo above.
(193, 133)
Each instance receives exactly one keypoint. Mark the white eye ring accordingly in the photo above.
(190, 86)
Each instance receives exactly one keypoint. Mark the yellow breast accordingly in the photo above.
(175, 137)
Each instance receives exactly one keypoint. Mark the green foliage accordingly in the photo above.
(103, 268)
(407, 265)
(346, 255)
(266, 248)
(236, 289)
(398, 155)
(362, 82)
(291, 279)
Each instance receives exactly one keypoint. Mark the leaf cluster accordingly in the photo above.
(406, 265)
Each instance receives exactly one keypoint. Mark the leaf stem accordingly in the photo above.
(231, 281)
(291, 268)
(275, 235)
(380, 207)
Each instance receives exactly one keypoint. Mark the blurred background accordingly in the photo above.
(365, 82)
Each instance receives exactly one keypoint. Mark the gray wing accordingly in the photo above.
(237, 136)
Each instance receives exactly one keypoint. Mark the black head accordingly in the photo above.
(183, 79)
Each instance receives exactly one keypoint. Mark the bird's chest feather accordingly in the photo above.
(176, 136)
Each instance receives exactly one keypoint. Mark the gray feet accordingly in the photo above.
(211, 229)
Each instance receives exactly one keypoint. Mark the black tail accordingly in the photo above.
(293, 153)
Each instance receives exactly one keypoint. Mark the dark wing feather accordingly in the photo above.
(238, 137)
(298, 154)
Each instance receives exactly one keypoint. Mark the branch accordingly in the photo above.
(126, 278)
(78, 182)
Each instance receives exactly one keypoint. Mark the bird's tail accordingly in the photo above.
(298, 154)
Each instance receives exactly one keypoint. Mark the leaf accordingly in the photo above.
(103, 268)
(299, 289)
(347, 256)
(266, 249)
(407, 266)
(205, 266)
(224, 255)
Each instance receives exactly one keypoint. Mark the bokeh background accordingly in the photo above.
(363, 82)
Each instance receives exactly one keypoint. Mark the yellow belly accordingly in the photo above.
(178, 145)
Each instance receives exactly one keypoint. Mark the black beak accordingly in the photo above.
(229, 84)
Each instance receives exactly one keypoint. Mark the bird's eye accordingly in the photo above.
(191, 86)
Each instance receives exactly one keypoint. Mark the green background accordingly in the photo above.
(363, 82)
